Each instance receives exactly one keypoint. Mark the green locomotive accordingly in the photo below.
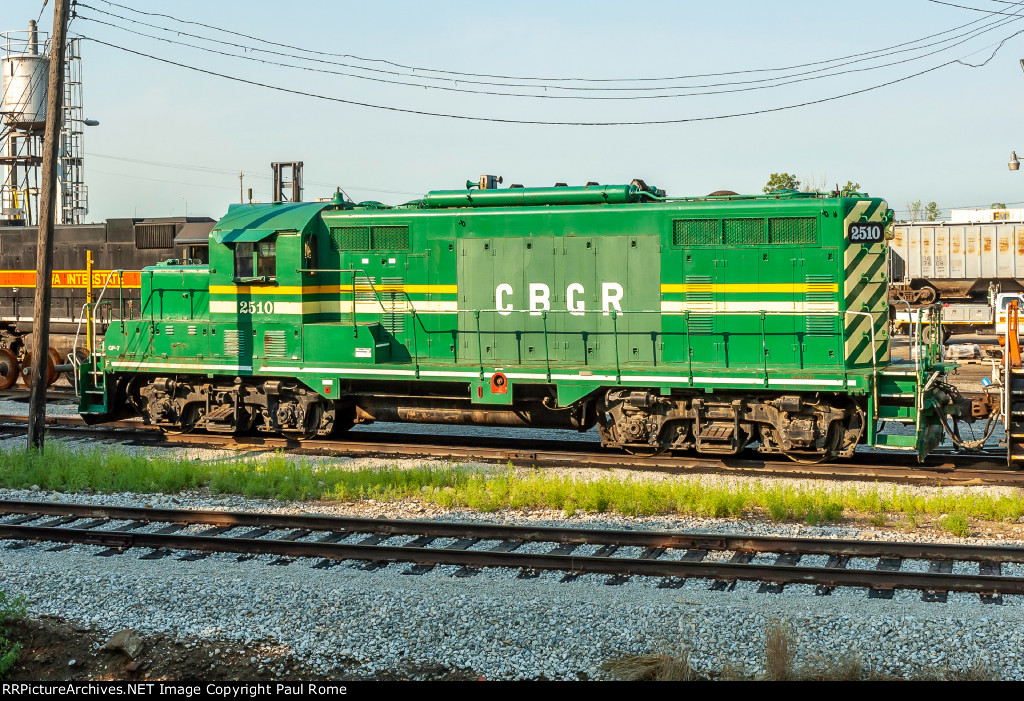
(708, 323)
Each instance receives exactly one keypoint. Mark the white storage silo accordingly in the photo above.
(24, 84)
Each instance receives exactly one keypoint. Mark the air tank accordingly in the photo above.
(25, 75)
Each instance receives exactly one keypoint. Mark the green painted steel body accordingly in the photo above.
(753, 294)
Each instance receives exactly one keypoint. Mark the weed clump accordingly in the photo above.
(10, 610)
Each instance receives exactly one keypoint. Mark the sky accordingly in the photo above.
(942, 136)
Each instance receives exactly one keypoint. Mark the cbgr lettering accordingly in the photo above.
(538, 299)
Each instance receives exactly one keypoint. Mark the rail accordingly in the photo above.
(337, 539)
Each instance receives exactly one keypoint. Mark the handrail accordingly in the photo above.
(90, 310)
(874, 363)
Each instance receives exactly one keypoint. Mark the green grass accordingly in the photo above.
(280, 477)
(10, 609)
(957, 524)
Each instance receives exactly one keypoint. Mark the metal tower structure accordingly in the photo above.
(287, 176)
(24, 65)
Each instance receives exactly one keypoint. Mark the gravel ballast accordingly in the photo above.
(355, 623)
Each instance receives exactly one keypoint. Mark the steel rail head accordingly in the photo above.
(780, 574)
(544, 534)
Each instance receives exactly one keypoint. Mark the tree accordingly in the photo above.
(914, 210)
(781, 181)
(850, 186)
(932, 212)
(997, 205)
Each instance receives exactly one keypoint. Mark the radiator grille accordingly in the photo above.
(390, 238)
(744, 231)
(700, 300)
(234, 342)
(350, 238)
(394, 302)
(366, 238)
(696, 232)
(149, 236)
(821, 298)
(793, 230)
(274, 344)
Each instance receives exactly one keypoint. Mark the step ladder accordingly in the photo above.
(898, 399)
(1014, 417)
(1013, 390)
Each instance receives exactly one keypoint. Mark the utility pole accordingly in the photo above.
(241, 192)
(44, 242)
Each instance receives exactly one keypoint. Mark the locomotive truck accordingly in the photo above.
(708, 323)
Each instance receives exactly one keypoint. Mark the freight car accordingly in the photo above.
(941, 261)
(118, 244)
(712, 323)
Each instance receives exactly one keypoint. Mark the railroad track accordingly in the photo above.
(674, 557)
(983, 469)
(21, 394)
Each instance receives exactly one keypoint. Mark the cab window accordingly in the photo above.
(266, 260)
(256, 261)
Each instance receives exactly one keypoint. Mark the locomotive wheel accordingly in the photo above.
(9, 368)
(51, 369)
(53, 360)
(835, 438)
(646, 451)
(189, 419)
(312, 428)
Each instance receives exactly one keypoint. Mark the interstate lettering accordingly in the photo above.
(539, 298)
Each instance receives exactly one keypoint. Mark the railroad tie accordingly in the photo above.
(19, 544)
(372, 565)
(691, 555)
(885, 564)
(648, 554)
(160, 553)
(289, 537)
(784, 560)
(938, 567)
(562, 549)
(208, 533)
(505, 546)
(835, 562)
(22, 519)
(333, 537)
(419, 542)
(58, 522)
(252, 535)
(738, 558)
(990, 568)
(95, 523)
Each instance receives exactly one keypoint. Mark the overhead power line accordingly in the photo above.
(464, 76)
(505, 120)
(776, 82)
(975, 9)
(234, 173)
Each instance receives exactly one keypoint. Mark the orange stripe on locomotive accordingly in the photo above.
(71, 278)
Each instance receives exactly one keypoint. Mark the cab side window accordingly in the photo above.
(266, 260)
(256, 261)
(243, 261)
